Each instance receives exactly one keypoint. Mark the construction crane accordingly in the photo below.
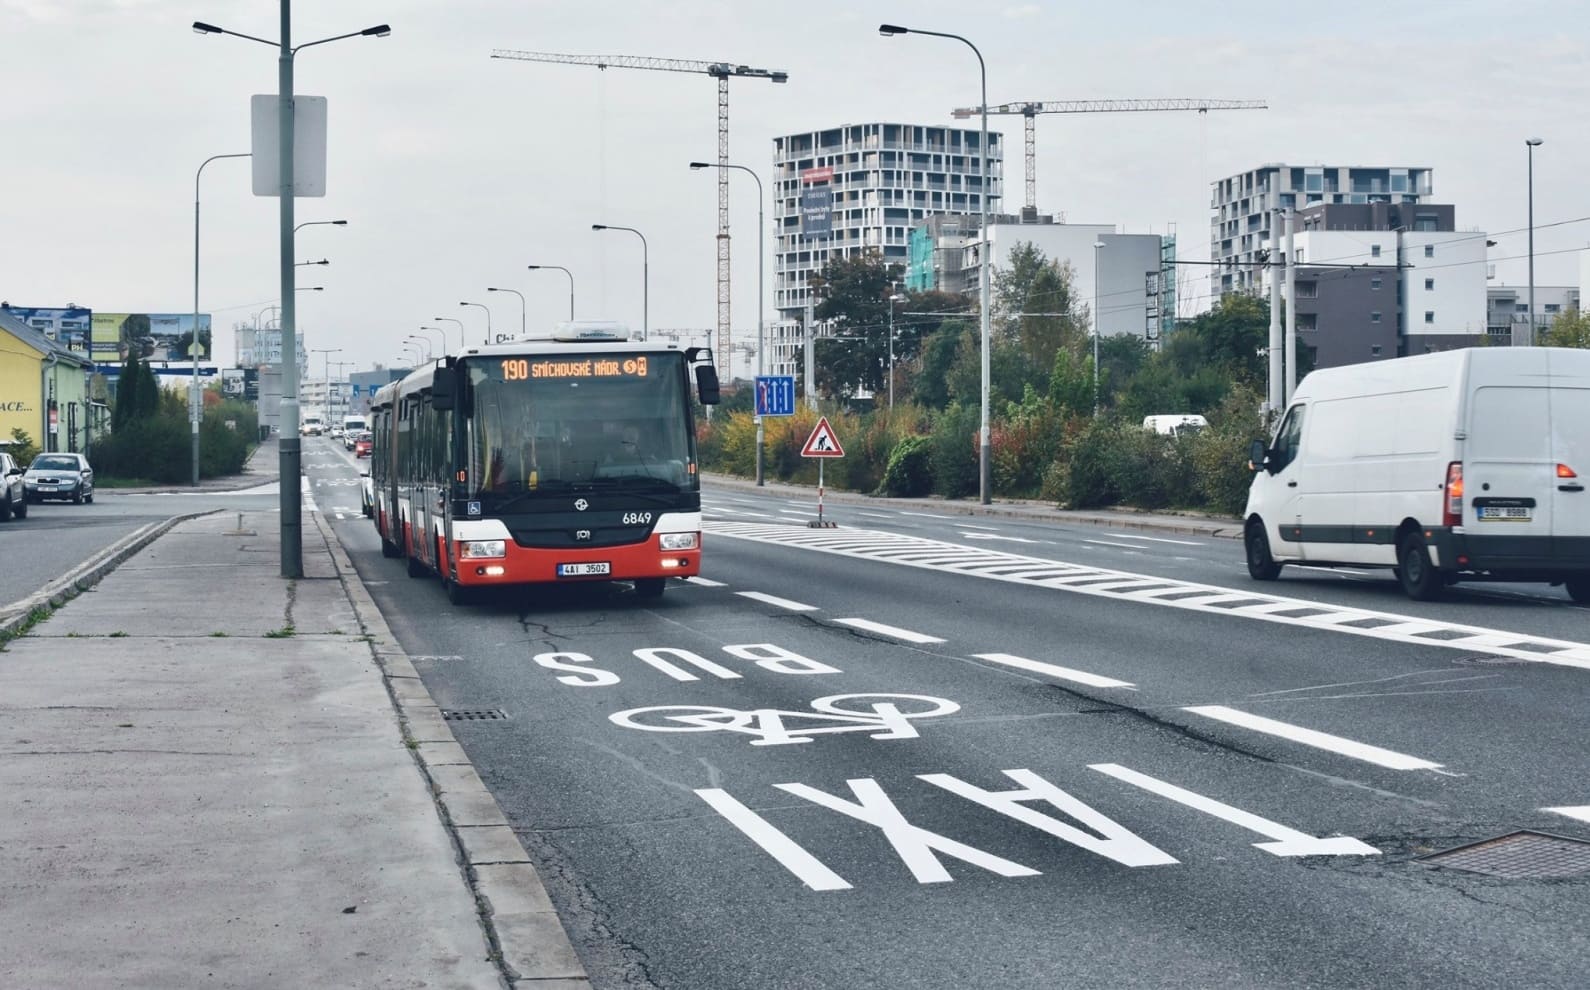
(1031, 109)
(722, 72)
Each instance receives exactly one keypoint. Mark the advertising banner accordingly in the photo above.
(67, 325)
(817, 211)
(157, 337)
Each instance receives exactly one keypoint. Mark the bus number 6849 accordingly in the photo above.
(637, 518)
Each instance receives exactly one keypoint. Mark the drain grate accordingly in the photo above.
(474, 714)
(1521, 855)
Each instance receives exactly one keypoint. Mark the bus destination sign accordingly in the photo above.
(525, 369)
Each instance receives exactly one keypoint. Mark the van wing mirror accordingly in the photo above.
(444, 394)
(1257, 454)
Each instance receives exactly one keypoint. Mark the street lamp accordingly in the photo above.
(418, 360)
(1098, 262)
(1532, 144)
(488, 317)
(421, 340)
(327, 351)
(645, 275)
(516, 292)
(322, 261)
(442, 333)
(565, 271)
(449, 319)
(290, 459)
(984, 465)
(894, 297)
(317, 223)
(760, 289)
(195, 400)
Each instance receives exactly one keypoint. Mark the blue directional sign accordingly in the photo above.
(775, 395)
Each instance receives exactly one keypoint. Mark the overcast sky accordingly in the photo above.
(455, 171)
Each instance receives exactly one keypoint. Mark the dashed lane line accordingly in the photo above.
(1108, 543)
(1582, 812)
(1310, 737)
(1055, 670)
(706, 582)
(1156, 539)
(766, 599)
(893, 632)
(1059, 575)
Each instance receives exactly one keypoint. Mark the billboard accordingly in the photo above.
(66, 325)
(817, 211)
(157, 337)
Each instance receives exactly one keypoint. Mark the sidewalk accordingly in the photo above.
(1196, 524)
(212, 776)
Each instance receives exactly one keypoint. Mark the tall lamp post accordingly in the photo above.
(645, 275)
(761, 249)
(1532, 144)
(327, 351)
(984, 464)
(536, 268)
(290, 454)
(894, 297)
(449, 319)
(319, 223)
(1098, 262)
(416, 339)
(440, 332)
(488, 317)
(195, 402)
(516, 292)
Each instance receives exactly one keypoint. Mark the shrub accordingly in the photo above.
(955, 452)
(910, 470)
(23, 449)
(1089, 481)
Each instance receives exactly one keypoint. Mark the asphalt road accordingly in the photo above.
(919, 752)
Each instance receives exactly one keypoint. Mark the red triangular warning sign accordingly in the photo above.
(822, 442)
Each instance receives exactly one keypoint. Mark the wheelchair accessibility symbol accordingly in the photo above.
(882, 716)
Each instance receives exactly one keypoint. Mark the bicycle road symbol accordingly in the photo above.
(883, 716)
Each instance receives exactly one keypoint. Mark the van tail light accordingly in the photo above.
(1564, 471)
(1452, 515)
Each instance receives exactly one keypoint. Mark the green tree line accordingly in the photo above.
(151, 436)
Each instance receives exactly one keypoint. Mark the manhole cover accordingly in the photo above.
(1521, 855)
(474, 714)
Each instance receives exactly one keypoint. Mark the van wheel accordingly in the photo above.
(1579, 589)
(1261, 566)
(650, 587)
(1418, 575)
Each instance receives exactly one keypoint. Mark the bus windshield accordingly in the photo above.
(553, 423)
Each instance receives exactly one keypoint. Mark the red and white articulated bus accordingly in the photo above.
(532, 462)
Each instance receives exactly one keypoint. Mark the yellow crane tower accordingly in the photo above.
(722, 72)
(1031, 109)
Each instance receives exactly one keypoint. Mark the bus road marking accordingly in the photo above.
(1310, 737)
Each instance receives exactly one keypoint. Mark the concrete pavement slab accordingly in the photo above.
(492, 844)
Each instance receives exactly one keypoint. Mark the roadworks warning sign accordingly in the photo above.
(822, 442)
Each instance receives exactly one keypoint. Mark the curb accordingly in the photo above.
(19, 615)
(527, 941)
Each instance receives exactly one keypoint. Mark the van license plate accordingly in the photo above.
(1503, 513)
(584, 570)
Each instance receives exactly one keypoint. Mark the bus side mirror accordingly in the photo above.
(443, 383)
(707, 384)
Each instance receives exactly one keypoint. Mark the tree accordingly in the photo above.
(853, 299)
(127, 388)
(1035, 300)
(1570, 328)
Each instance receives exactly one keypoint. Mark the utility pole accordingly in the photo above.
(1274, 395)
(1291, 309)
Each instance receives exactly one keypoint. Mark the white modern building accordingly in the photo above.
(1508, 306)
(863, 187)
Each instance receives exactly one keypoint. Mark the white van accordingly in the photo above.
(311, 426)
(1174, 425)
(1467, 464)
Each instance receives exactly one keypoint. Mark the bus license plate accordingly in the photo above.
(584, 570)
(1504, 513)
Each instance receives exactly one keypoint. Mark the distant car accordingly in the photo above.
(13, 496)
(363, 445)
(366, 494)
(64, 476)
(336, 433)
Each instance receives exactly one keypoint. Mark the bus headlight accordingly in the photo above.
(477, 549)
(679, 541)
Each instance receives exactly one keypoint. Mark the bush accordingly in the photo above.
(910, 470)
(955, 453)
(23, 449)
(1219, 454)
(1089, 479)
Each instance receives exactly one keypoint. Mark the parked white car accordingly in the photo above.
(1463, 465)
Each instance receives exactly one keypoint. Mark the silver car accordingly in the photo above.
(13, 496)
(63, 476)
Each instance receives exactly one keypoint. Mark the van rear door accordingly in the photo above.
(1570, 435)
(1508, 470)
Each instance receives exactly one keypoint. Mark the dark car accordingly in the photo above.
(363, 443)
(13, 496)
(63, 476)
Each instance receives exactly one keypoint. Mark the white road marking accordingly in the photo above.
(1310, 737)
(808, 869)
(996, 536)
(796, 512)
(706, 582)
(1284, 841)
(894, 632)
(874, 515)
(1107, 543)
(925, 515)
(1156, 539)
(1582, 812)
(967, 525)
(1053, 670)
(775, 600)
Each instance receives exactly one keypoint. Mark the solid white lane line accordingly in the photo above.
(894, 632)
(706, 582)
(1156, 539)
(775, 600)
(1582, 812)
(796, 512)
(1107, 543)
(874, 515)
(1310, 737)
(1054, 670)
(967, 525)
(808, 869)
(925, 515)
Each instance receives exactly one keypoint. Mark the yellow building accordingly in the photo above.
(44, 390)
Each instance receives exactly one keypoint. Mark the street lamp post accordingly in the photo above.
(488, 317)
(984, 463)
(1098, 262)
(327, 351)
(302, 264)
(1532, 144)
(195, 402)
(421, 340)
(565, 271)
(449, 319)
(761, 330)
(318, 223)
(522, 330)
(645, 275)
(290, 454)
(440, 332)
(894, 297)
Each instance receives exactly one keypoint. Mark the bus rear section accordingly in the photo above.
(552, 462)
